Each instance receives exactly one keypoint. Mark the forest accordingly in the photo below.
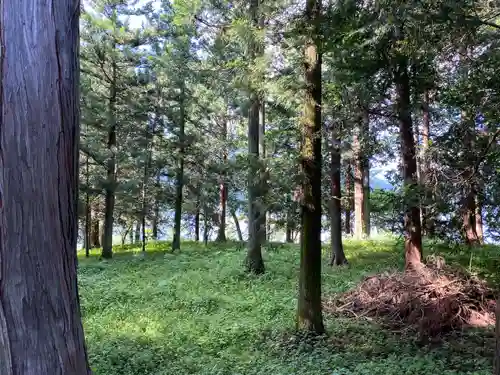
(220, 187)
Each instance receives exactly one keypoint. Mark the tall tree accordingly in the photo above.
(310, 316)
(254, 261)
(337, 249)
(39, 124)
(362, 176)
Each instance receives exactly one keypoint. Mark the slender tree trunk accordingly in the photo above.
(496, 370)
(254, 262)
(362, 178)
(337, 250)
(412, 225)
(179, 184)
(137, 234)
(479, 220)
(87, 210)
(95, 231)
(262, 152)
(197, 223)
(131, 234)
(221, 235)
(289, 224)
(348, 189)
(205, 225)
(40, 327)
(237, 225)
(156, 210)
(109, 200)
(309, 310)
(428, 223)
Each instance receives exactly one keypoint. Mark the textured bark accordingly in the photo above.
(254, 262)
(469, 219)
(109, 197)
(179, 179)
(40, 327)
(412, 225)
(337, 250)
(262, 152)
(350, 197)
(309, 310)
(361, 178)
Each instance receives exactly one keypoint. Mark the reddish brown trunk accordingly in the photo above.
(348, 189)
(469, 219)
(40, 327)
(412, 225)
(361, 179)
(479, 220)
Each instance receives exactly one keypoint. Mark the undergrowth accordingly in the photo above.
(197, 312)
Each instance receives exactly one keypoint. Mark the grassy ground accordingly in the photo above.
(198, 313)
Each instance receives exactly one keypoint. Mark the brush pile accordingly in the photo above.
(433, 300)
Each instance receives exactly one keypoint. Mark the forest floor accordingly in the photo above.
(197, 312)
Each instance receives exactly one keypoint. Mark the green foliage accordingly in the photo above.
(198, 313)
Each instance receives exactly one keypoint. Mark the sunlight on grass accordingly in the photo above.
(197, 313)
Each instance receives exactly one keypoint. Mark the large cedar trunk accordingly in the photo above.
(412, 225)
(361, 178)
(109, 198)
(179, 179)
(40, 327)
(309, 310)
(254, 262)
(337, 250)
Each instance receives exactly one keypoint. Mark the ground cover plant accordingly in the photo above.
(197, 312)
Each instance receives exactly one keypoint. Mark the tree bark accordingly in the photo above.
(197, 223)
(179, 183)
(262, 152)
(40, 327)
(88, 213)
(309, 310)
(337, 250)
(348, 189)
(496, 370)
(237, 225)
(412, 225)
(109, 200)
(362, 178)
(254, 262)
(479, 220)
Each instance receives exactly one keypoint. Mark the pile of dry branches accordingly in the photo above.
(433, 300)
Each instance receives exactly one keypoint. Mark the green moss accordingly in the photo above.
(198, 312)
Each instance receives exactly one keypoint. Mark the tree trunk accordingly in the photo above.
(221, 235)
(412, 225)
(428, 223)
(337, 256)
(262, 152)
(362, 178)
(469, 212)
(40, 327)
(496, 370)
(95, 231)
(137, 234)
(479, 220)
(87, 210)
(179, 183)
(205, 225)
(109, 208)
(290, 225)
(309, 310)
(197, 223)
(254, 262)
(348, 190)
(237, 225)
